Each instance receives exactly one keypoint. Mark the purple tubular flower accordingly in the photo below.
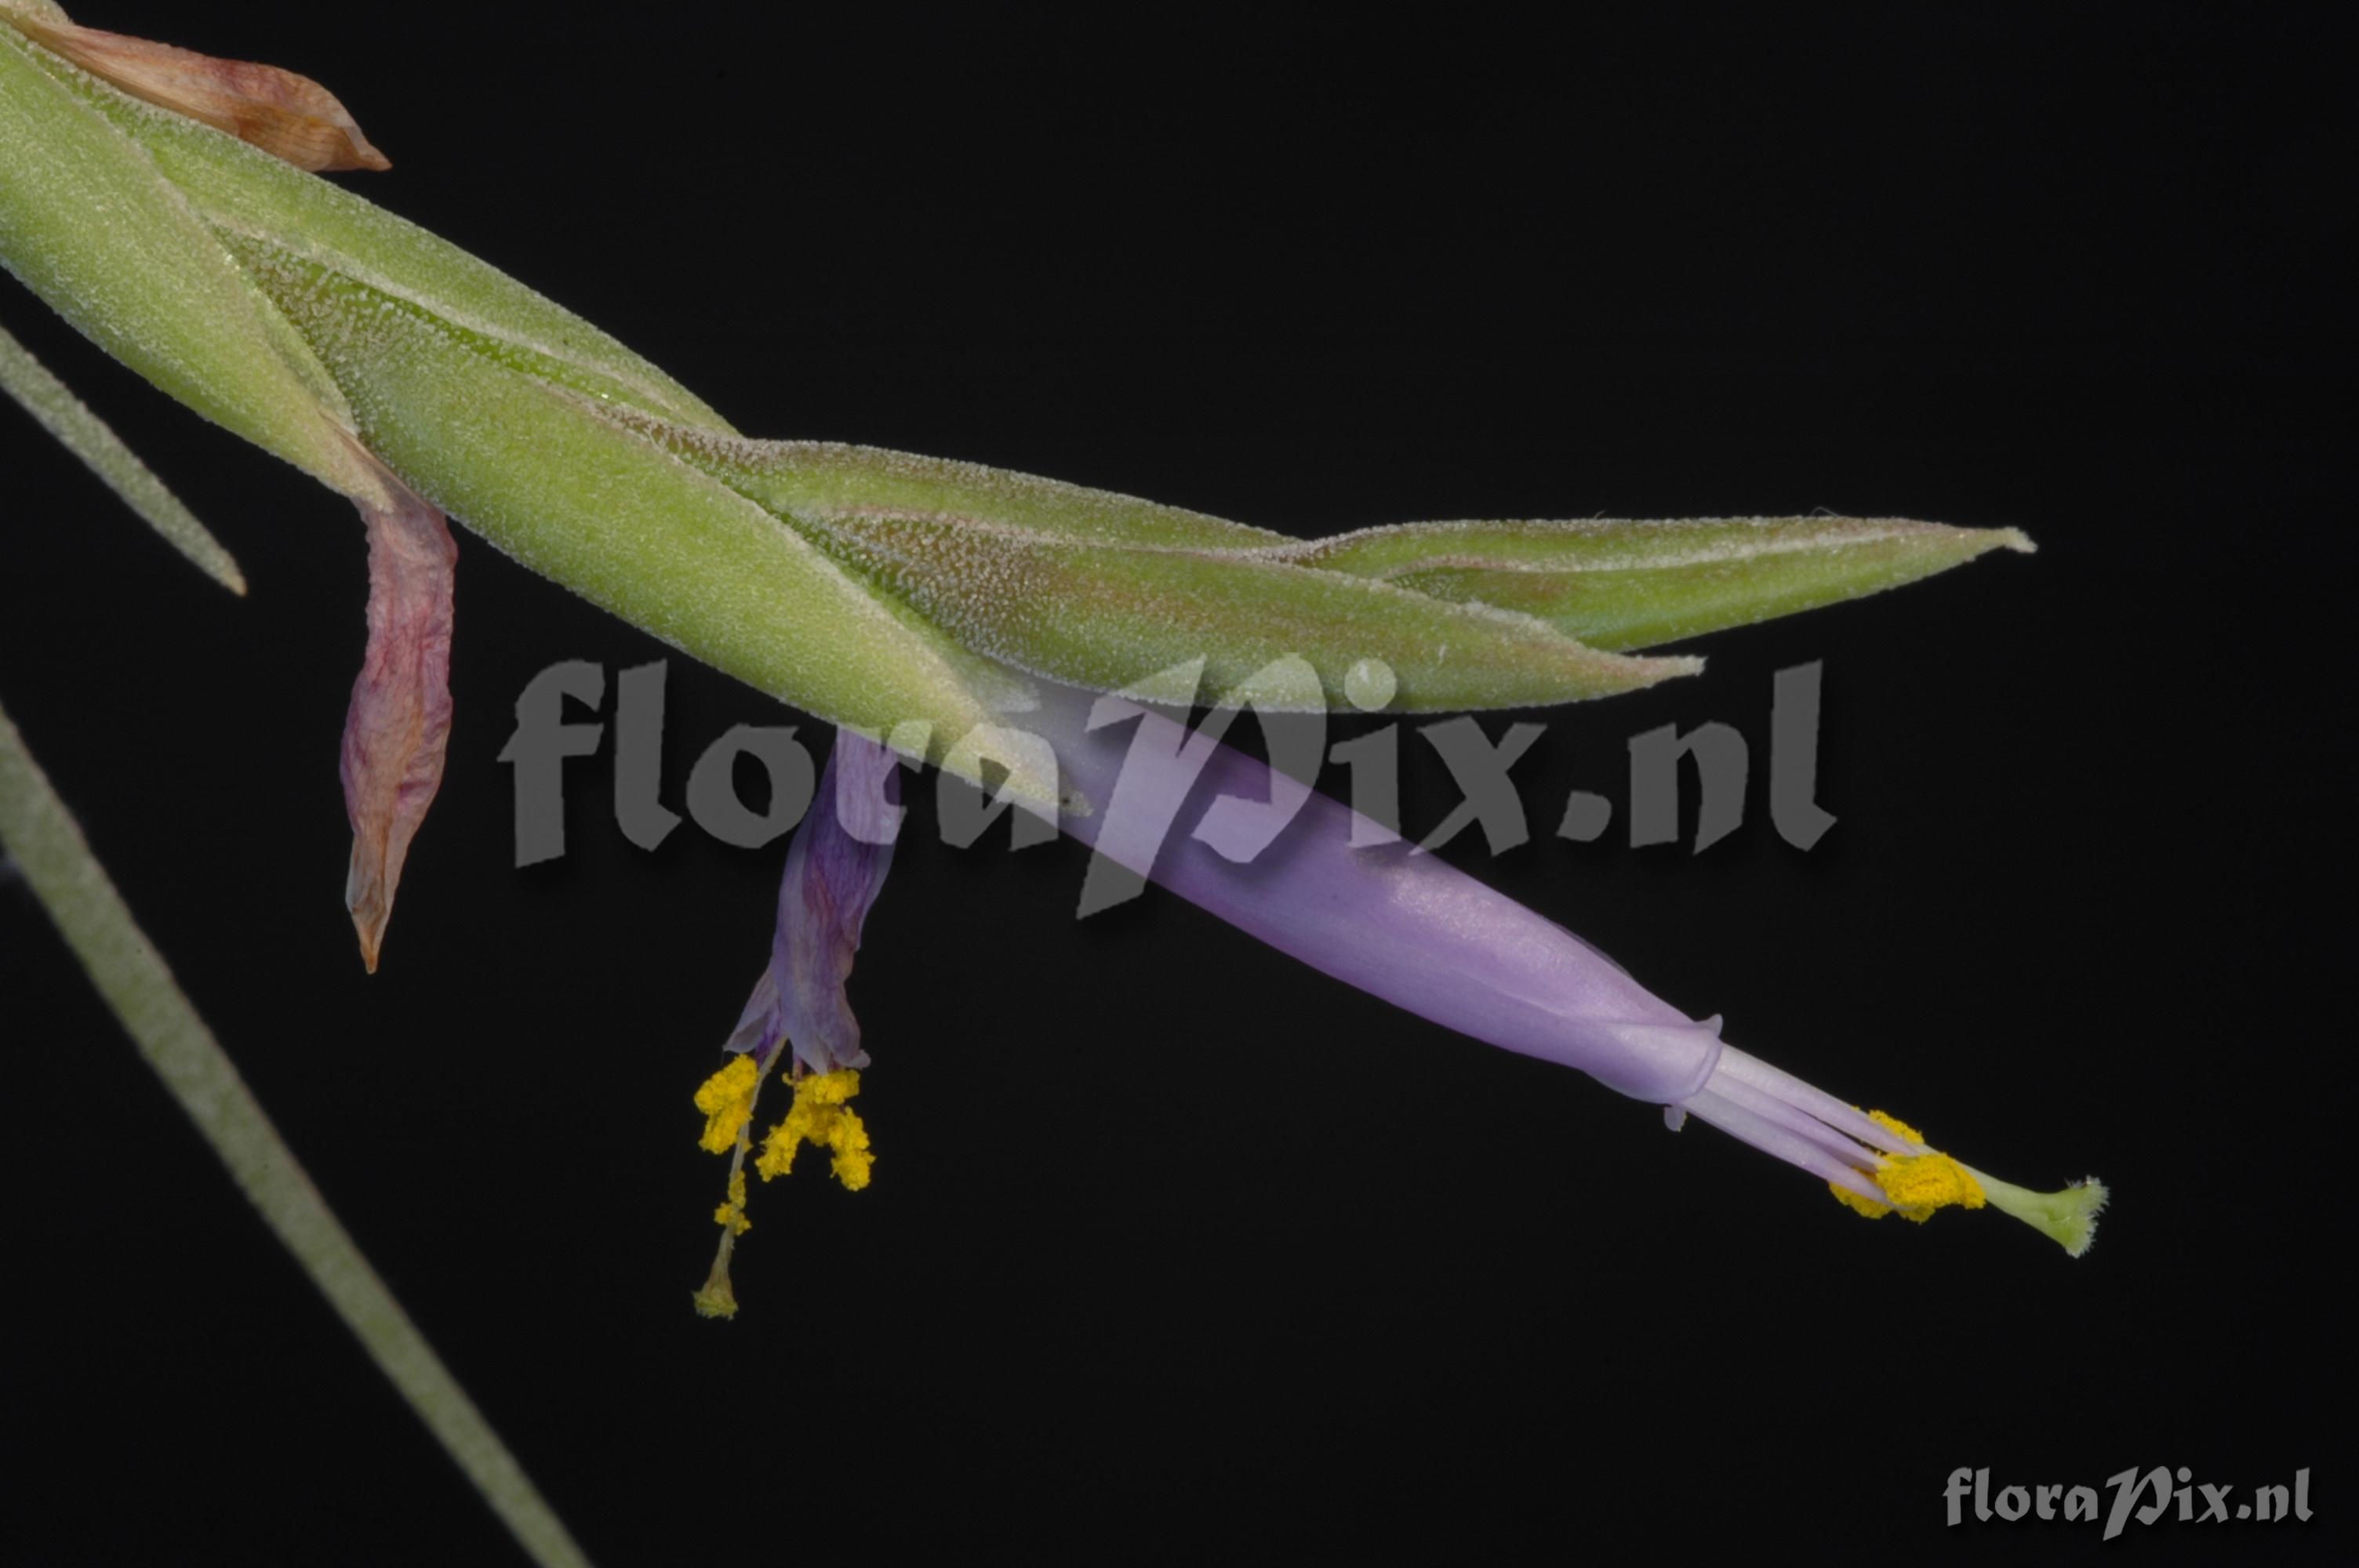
(1316, 880)
(1405, 927)
(1392, 921)
(834, 869)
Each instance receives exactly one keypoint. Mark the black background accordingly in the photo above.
(1174, 1246)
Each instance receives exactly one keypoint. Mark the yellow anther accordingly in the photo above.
(726, 1099)
(1917, 1185)
(820, 1116)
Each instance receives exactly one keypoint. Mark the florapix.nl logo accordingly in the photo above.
(1174, 754)
(2145, 1496)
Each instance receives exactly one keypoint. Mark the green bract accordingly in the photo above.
(1101, 591)
(89, 222)
(531, 464)
(1633, 584)
(866, 587)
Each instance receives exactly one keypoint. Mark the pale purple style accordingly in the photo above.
(834, 869)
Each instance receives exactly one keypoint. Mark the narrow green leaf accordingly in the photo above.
(1636, 585)
(37, 831)
(86, 435)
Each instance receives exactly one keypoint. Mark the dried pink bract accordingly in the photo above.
(399, 725)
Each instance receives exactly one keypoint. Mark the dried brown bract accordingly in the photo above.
(287, 115)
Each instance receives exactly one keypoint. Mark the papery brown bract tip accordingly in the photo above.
(369, 924)
(286, 114)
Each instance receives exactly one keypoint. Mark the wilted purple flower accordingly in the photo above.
(835, 866)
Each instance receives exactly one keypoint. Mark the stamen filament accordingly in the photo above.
(1874, 1163)
(1801, 1123)
(1769, 1138)
(718, 1298)
(1783, 1086)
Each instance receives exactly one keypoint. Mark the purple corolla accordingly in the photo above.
(1384, 916)
(1404, 926)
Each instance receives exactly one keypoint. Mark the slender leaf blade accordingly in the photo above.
(86, 435)
(40, 835)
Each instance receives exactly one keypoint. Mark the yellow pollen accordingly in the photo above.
(1851, 1200)
(733, 1213)
(820, 1116)
(1917, 1185)
(1894, 1124)
(726, 1099)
